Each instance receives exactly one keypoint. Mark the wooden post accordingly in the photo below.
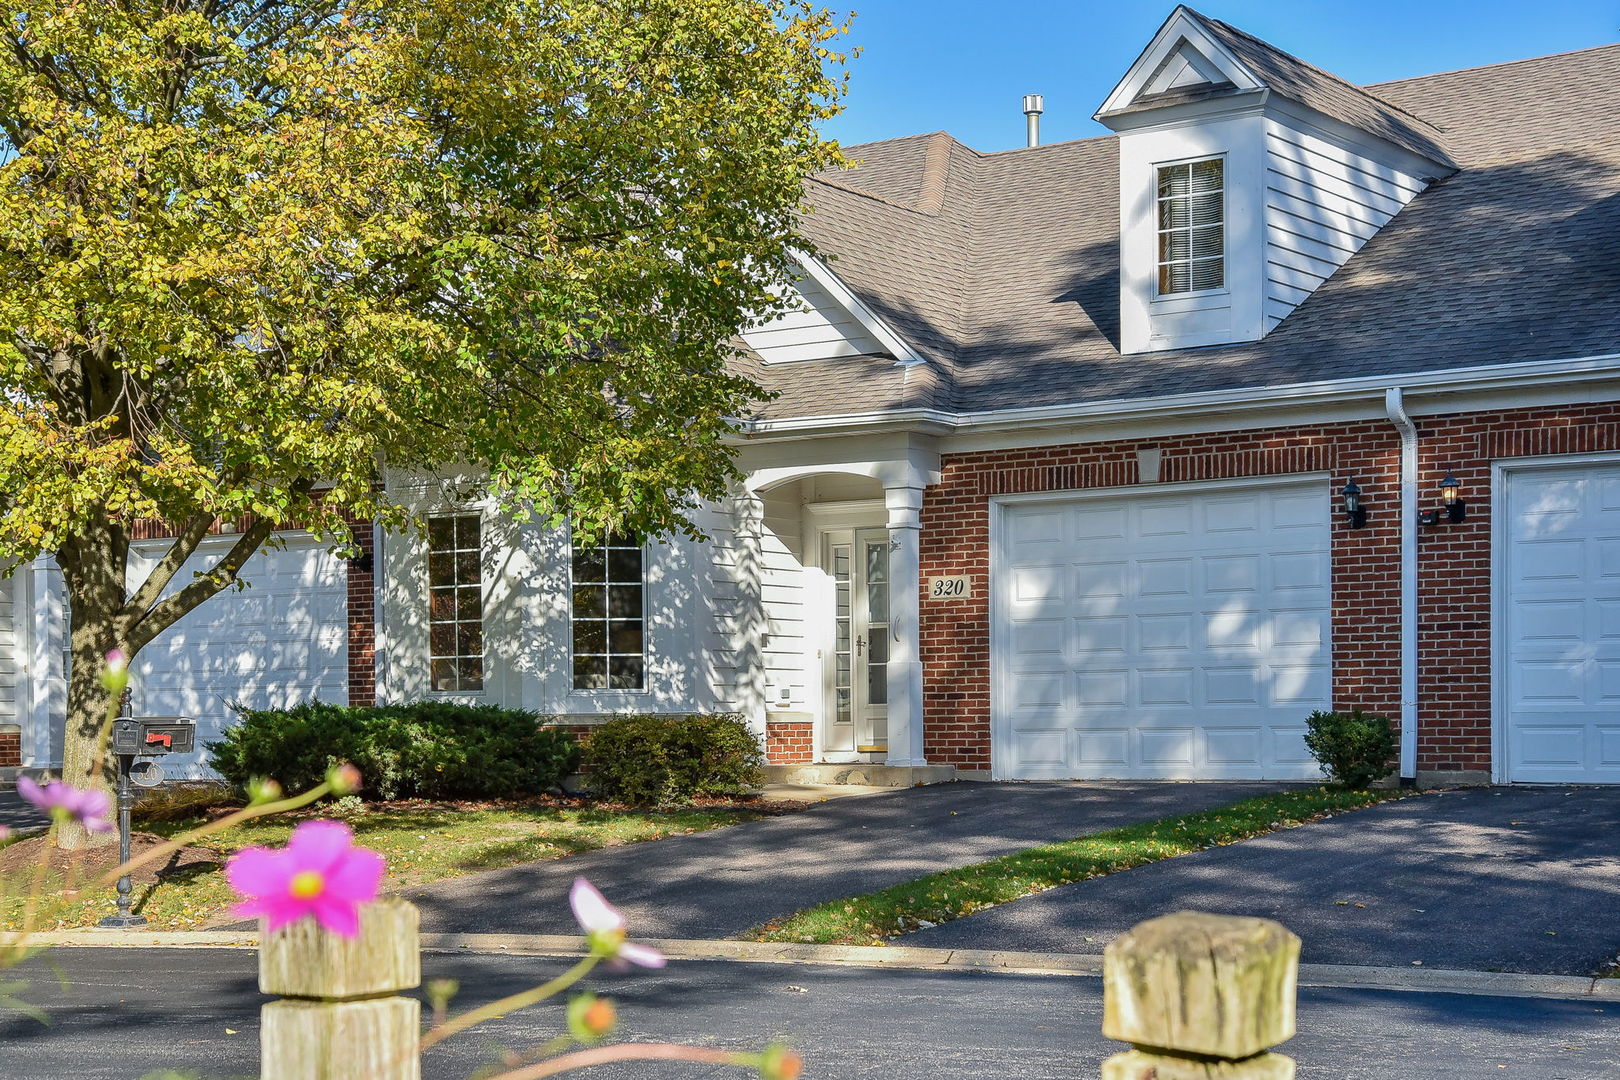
(1200, 997)
(335, 1023)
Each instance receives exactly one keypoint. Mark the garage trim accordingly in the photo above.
(997, 507)
(1502, 472)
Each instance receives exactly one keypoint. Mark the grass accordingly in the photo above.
(952, 894)
(422, 844)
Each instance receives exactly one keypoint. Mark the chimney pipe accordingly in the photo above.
(1034, 105)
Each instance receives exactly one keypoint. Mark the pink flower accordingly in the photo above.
(320, 872)
(604, 928)
(63, 802)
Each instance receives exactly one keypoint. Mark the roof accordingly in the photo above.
(1003, 269)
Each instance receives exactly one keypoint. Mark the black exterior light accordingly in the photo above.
(1354, 512)
(1451, 498)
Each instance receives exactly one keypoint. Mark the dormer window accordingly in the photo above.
(1192, 227)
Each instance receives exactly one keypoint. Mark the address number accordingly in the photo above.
(950, 588)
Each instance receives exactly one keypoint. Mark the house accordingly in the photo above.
(1108, 458)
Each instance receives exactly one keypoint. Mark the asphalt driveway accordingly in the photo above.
(1486, 879)
(717, 884)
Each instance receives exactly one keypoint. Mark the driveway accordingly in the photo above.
(1486, 879)
(717, 884)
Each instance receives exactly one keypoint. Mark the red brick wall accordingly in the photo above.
(789, 743)
(363, 618)
(1454, 559)
(10, 748)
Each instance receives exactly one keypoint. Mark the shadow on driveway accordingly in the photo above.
(1487, 879)
(717, 884)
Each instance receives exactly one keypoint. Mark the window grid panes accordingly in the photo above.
(608, 606)
(456, 602)
(1192, 227)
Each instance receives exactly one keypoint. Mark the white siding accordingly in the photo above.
(783, 599)
(823, 330)
(10, 653)
(1324, 200)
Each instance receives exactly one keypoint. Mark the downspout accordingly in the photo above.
(1395, 408)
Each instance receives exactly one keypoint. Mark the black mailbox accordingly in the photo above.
(149, 736)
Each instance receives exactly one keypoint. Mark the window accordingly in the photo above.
(609, 599)
(1192, 230)
(456, 602)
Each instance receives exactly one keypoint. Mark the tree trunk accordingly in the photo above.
(93, 572)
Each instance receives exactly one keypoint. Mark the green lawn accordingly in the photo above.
(421, 845)
(951, 894)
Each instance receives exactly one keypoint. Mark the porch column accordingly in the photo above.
(47, 664)
(905, 711)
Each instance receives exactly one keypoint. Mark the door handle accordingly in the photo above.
(860, 643)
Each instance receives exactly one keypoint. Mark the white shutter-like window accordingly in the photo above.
(1192, 227)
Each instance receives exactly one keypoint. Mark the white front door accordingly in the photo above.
(1560, 626)
(1172, 634)
(856, 719)
(282, 641)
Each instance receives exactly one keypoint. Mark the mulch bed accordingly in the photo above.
(758, 805)
(18, 861)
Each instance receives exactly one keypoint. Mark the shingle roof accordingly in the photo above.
(1007, 280)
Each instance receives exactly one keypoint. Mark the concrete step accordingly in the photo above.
(861, 773)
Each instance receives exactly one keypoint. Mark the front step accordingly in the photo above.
(861, 773)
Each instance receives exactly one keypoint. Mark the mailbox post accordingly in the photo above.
(132, 738)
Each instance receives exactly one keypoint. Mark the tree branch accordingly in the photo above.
(191, 534)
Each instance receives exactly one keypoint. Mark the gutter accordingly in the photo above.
(1395, 409)
(1244, 400)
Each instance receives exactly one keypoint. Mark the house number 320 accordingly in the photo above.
(950, 588)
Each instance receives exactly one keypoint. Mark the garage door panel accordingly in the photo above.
(278, 643)
(1197, 635)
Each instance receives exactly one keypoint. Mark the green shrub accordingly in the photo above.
(423, 750)
(658, 760)
(1354, 748)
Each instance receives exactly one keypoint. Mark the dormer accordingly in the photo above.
(1246, 178)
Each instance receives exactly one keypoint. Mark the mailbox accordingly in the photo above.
(149, 736)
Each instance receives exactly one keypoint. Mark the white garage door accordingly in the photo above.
(1562, 625)
(281, 641)
(1178, 635)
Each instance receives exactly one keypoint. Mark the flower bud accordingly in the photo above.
(344, 779)
(779, 1062)
(591, 1017)
(263, 790)
(440, 991)
(115, 676)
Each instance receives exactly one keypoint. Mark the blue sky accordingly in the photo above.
(964, 66)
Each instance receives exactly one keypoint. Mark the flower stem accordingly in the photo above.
(521, 1000)
(601, 1055)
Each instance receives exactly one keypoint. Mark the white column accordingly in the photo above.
(905, 665)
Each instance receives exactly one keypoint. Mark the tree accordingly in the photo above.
(252, 250)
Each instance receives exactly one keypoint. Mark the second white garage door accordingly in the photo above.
(1177, 634)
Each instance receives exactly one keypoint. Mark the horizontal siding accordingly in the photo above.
(783, 598)
(821, 330)
(1324, 200)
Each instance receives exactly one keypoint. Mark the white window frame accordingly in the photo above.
(433, 656)
(646, 626)
(1158, 231)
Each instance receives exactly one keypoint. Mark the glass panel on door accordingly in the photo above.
(839, 731)
(872, 640)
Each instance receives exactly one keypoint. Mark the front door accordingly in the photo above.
(857, 717)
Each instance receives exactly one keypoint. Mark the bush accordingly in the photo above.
(1354, 748)
(658, 760)
(423, 750)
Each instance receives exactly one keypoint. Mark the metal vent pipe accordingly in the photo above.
(1034, 105)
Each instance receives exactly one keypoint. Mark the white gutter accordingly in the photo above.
(1248, 400)
(1395, 408)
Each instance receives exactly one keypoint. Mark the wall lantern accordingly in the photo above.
(1354, 512)
(1451, 498)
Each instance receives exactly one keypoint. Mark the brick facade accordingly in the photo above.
(789, 742)
(10, 746)
(1454, 559)
(362, 611)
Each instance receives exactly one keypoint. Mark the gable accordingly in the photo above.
(820, 328)
(1184, 67)
(1183, 58)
